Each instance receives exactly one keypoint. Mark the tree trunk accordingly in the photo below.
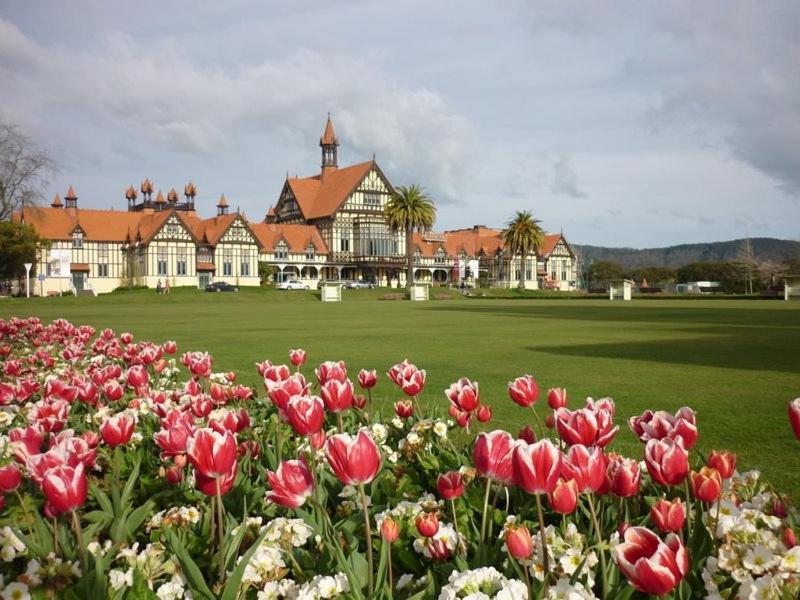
(521, 283)
(409, 257)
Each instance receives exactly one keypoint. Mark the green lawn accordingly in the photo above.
(735, 362)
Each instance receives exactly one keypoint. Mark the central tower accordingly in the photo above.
(329, 145)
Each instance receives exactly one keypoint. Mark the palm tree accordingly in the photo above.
(410, 209)
(521, 236)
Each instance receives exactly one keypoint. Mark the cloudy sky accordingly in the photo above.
(625, 123)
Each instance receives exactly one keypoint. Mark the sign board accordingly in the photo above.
(58, 263)
(40, 277)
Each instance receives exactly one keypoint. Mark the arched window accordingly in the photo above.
(281, 250)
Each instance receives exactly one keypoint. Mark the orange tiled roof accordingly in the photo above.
(320, 198)
(97, 225)
(550, 241)
(296, 236)
(476, 239)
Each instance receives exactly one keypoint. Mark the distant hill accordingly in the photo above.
(765, 249)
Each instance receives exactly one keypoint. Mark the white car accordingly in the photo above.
(292, 284)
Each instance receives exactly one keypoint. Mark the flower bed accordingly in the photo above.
(132, 471)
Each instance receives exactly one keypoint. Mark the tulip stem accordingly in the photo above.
(716, 521)
(368, 532)
(76, 523)
(485, 510)
(55, 535)
(455, 523)
(543, 536)
(538, 422)
(341, 421)
(221, 532)
(391, 575)
(28, 517)
(278, 441)
(527, 579)
(599, 539)
(688, 510)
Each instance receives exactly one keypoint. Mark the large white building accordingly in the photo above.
(330, 225)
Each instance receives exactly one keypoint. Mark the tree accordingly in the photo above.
(523, 235)
(18, 244)
(24, 171)
(605, 270)
(410, 209)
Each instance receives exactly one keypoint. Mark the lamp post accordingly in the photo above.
(28, 279)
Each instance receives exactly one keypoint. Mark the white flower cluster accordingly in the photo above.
(177, 516)
(267, 565)
(10, 545)
(15, 591)
(564, 590)
(323, 587)
(151, 563)
(566, 555)
(288, 532)
(752, 559)
(483, 583)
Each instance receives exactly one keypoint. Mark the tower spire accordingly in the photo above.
(329, 145)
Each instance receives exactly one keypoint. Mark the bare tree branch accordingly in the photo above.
(25, 170)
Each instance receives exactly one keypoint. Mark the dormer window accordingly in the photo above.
(310, 252)
(281, 250)
(77, 239)
(441, 256)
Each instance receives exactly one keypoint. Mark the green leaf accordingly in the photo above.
(231, 589)
(194, 577)
(102, 499)
(137, 517)
(132, 479)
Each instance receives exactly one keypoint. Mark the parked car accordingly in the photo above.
(359, 285)
(292, 284)
(221, 286)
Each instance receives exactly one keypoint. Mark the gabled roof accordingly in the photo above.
(215, 227)
(100, 225)
(297, 237)
(477, 239)
(319, 197)
(549, 244)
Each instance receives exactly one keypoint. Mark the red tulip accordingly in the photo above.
(624, 476)
(586, 466)
(199, 363)
(25, 442)
(92, 438)
(250, 448)
(126, 337)
(557, 398)
(354, 460)
(10, 478)
(117, 430)
(297, 357)
(211, 453)
(451, 485)
(564, 497)
(668, 516)
(484, 413)
(318, 439)
(275, 374)
(519, 542)
(463, 419)
(137, 376)
(306, 414)
(536, 466)
(221, 484)
(113, 390)
(492, 455)
(463, 394)
(173, 440)
(794, 416)
(438, 549)
(706, 484)
(550, 421)
(667, 461)
(337, 395)
(201, 406)
(427, 524)
(280, 392)
(65, 487)
(367, 379)
(779, 508)
(652, 566)
(408, 378)
(404, 408)
(724, 462)
(331, 370)
(661, 425)
(49, 415)
(170, 347)
(585, 426)
(359, 401)
(527, 434)
(173, 474)
(788, 537)
(291, 484)
(390, 531)
(524, 391)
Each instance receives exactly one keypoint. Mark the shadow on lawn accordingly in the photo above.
(758, 340)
